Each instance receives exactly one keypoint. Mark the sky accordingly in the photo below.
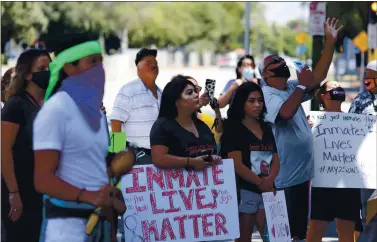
(282, 12)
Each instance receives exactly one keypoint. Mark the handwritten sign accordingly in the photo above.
(344, 150)
(117, 142)
(277, 217)
(180, 205)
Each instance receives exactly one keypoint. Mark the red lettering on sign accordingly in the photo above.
(181, 222)
(200, 197)
(170, 194)
(177, 174)
(205, 177)
(207, 225)
(149, 228)
(220, 222)
(187, 200)
(135, 181)
(195, 218)
(192, 176)
(166, 228)
(215, 171)
(155, 210)
(158, 178)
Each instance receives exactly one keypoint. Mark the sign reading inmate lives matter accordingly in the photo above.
(344, 150)
(180, 205)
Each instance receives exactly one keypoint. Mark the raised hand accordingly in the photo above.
(331, 30)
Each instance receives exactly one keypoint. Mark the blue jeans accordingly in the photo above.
(370, 230)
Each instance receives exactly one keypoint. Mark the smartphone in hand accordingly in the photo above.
(299, 66)
(210, 88)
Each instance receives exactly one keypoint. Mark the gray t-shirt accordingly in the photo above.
(293, 138)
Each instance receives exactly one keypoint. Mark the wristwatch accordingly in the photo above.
(302, 87)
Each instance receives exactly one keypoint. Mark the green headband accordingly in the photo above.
(67, 56)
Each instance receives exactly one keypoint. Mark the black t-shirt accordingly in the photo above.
(169, 133)
(19, 109)
(256, 154)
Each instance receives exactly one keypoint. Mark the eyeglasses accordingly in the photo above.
(198, 89)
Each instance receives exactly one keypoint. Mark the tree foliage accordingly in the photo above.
(216, 26)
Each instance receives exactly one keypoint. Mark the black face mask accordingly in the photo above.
(41, 79)
(337, 94)
(282, 71)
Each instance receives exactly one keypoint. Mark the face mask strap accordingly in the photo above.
(68, 56)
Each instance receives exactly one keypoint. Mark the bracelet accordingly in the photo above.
(14, 192)
(79, 195)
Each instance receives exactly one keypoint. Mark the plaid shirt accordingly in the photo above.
(365, 103)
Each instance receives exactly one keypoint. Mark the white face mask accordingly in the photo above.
(248, 73)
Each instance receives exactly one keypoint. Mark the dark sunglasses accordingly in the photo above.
(275, 60)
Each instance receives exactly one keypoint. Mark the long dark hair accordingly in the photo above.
(5, 82)
(239, 64)
(236, 111)
(23, 68)
(172, 92)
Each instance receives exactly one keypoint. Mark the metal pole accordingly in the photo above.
(246, 39)
(362, 69)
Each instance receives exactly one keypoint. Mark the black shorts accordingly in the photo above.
(297, 200)
(330, 203)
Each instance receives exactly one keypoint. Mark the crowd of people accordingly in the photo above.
(57, 172)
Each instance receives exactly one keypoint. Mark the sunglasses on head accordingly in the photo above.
(275, 60)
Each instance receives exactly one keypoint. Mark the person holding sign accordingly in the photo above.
(178, 138)
(327, 204)
(249, 141)
(283, 100)
(366, 103)
(70, 144)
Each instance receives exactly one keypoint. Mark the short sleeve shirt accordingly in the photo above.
(61, 126)
(169, 133)
(293, 138)
(19, 109)
(256, 154)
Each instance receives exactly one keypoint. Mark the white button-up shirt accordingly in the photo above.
(138, 109)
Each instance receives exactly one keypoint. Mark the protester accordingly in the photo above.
(5, 81)
(249, 141)
(214, 124)
(245, 71)
(70, 144)
(283, 101)
(327, 204)
(21, 204)
(138, 102)
(366, 103)
(178, 138)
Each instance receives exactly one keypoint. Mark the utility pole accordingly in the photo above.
(246, 37)
(317, 18)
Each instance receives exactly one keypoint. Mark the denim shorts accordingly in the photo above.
(250, 202)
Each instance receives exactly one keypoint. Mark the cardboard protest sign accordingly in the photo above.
(277, 217)
(344, 150)
(180, 204)
(371, 207)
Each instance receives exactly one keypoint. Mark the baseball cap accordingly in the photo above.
(144, 53)
(372, 65)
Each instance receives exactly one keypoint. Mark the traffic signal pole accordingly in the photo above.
(317, 49)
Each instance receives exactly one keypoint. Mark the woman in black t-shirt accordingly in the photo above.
(249, 141)
(178, 138)
(21, 204)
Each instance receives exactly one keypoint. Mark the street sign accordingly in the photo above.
(317, 18)
(301, 38)
(301, 49)
(372, 36)
(361, 41)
